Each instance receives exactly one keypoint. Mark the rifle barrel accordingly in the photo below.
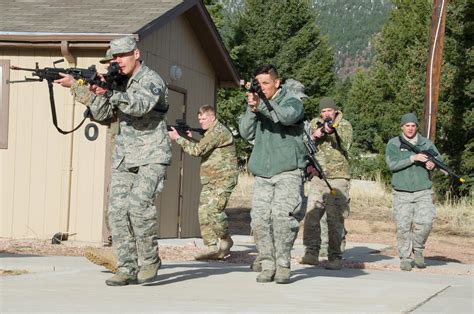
(14, 67)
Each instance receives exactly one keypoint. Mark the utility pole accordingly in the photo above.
(433, 68)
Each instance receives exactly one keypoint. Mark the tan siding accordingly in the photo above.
(36, 166)
(88, 170)
(51, 182)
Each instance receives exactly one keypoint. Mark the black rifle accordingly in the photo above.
(182, 128)
(113, 78)
(254, 87)
(313, 168)
(327, 122)
(431, 155)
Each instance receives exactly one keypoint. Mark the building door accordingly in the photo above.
(169, 201)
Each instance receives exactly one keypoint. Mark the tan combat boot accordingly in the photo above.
(121, 280)
(282, 274)
(148, 272)
(209, 253)
(406, 265)
(419, 260)
(334, 264)
(102, 257)
(310, 258)
(225, 244)
(266, 276)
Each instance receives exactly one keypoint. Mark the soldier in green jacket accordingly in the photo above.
(219, 175)
(332, 136)
(413, 207)
(277, 161)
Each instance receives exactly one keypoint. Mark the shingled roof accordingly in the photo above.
(84, 22)
(82, 16)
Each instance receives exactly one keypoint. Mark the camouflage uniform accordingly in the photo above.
(413, 208)
(218, 178)
(277, 161)
(142, 152)
(82, 93)
(332, 155)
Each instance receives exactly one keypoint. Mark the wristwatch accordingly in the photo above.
(109, 93)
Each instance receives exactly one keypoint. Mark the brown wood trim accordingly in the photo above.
(59, 37)
(183, 91)
(178, 89)
(4, 102)
(104, 45)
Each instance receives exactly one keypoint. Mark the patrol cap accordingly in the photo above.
(327, 102)
(108, 57)
(123, 45)
(407, 118)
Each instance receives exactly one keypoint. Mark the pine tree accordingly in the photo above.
(282, 33)
(395, 85)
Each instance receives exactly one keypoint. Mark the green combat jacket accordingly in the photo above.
(333, 152)
(278, 147)
(408, 176)
(218, 157)
(142, 137)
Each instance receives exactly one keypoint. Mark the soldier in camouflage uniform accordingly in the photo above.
(277, 161)
(413, 208)
(142, 152)
(219, 175)
(333, 144)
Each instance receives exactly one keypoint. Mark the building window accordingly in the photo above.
(4, 100)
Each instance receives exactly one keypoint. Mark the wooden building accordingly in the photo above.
(58, 183)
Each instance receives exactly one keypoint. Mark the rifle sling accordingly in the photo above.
(53, 111)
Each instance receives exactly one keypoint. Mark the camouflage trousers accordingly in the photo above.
(277, 207)
(336, 208)
(323, 223)
(212, 217)
(132, 215)
(414, 214)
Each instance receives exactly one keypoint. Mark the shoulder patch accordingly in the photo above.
(154, 89)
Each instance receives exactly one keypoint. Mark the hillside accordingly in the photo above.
(351, 27)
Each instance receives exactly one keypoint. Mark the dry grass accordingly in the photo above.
(14, 272)
(242, 194)
(370, 200)
(458, 217)
(452, 217)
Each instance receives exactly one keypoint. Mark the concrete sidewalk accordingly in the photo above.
(72, 284)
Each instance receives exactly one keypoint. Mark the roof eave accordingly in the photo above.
(207, 34)
(33, 37)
